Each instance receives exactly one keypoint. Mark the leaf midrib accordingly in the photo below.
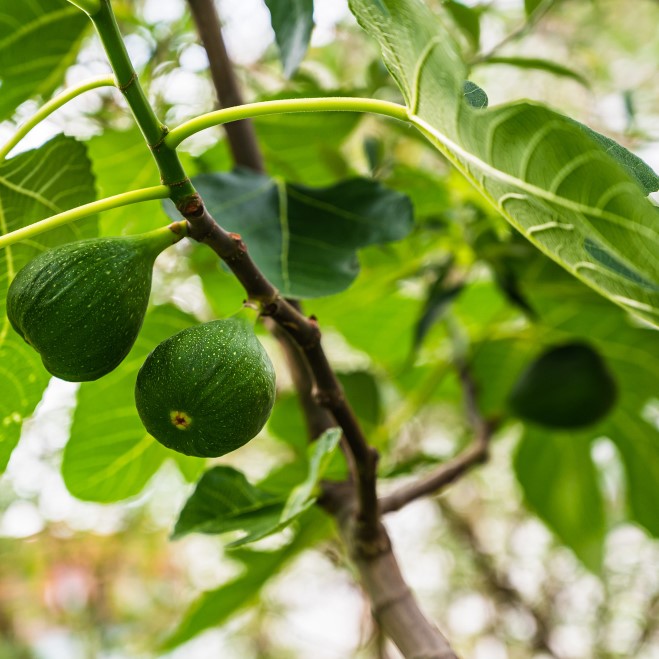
(449, 147)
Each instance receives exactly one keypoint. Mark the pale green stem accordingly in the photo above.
(48, 108)
(123, 199)
(88, 6)
(175, 137)
(171, 170)
(250, 110)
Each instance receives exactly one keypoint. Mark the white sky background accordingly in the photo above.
(325, 610)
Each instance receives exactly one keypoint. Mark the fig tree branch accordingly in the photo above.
(154, 132)
(495, 580)
(393, 605)
(476, 453)
(305, 331)
(242, 138)
(48, 108)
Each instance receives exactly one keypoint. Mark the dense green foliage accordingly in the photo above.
(504, 239)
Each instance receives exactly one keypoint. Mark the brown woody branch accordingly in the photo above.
(393, 604)
(242, 138)
(328, 392)
(319, 391)
(476, 453)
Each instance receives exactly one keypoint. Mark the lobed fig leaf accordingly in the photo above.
(81, 305)
(207, 390)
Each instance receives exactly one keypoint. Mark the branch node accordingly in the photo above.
(131, 81)
(161, 141)
(369, 543)
(191, 207)
(176, 184)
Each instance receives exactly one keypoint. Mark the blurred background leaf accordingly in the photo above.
(33, 186)
(34, 59)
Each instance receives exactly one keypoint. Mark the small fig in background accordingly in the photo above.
(207, 390)
(81, 305)
(568, 386)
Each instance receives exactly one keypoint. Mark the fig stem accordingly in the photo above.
(116, 201)
(48, 108)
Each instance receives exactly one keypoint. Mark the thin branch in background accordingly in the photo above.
(497, 583)
(476, 453)
(517, 33)
(242, 138)
(317, 418)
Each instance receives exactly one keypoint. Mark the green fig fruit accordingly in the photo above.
(207, 390)
(568, 386)
(81, 305)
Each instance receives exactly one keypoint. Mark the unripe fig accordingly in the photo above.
(81, 305)
(207, 390)
(568, 386)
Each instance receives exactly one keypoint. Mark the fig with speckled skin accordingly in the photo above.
(81, 305)
(207, 390)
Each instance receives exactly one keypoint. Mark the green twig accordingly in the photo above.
(172, 173)
(249, 110)
(530, 22)
(54, 104)
(123, 199)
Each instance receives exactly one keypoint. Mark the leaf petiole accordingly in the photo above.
(48, 108)
(285, 106)
(123, 199)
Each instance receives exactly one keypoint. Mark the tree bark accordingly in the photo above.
(242, 138)
(354, 503)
